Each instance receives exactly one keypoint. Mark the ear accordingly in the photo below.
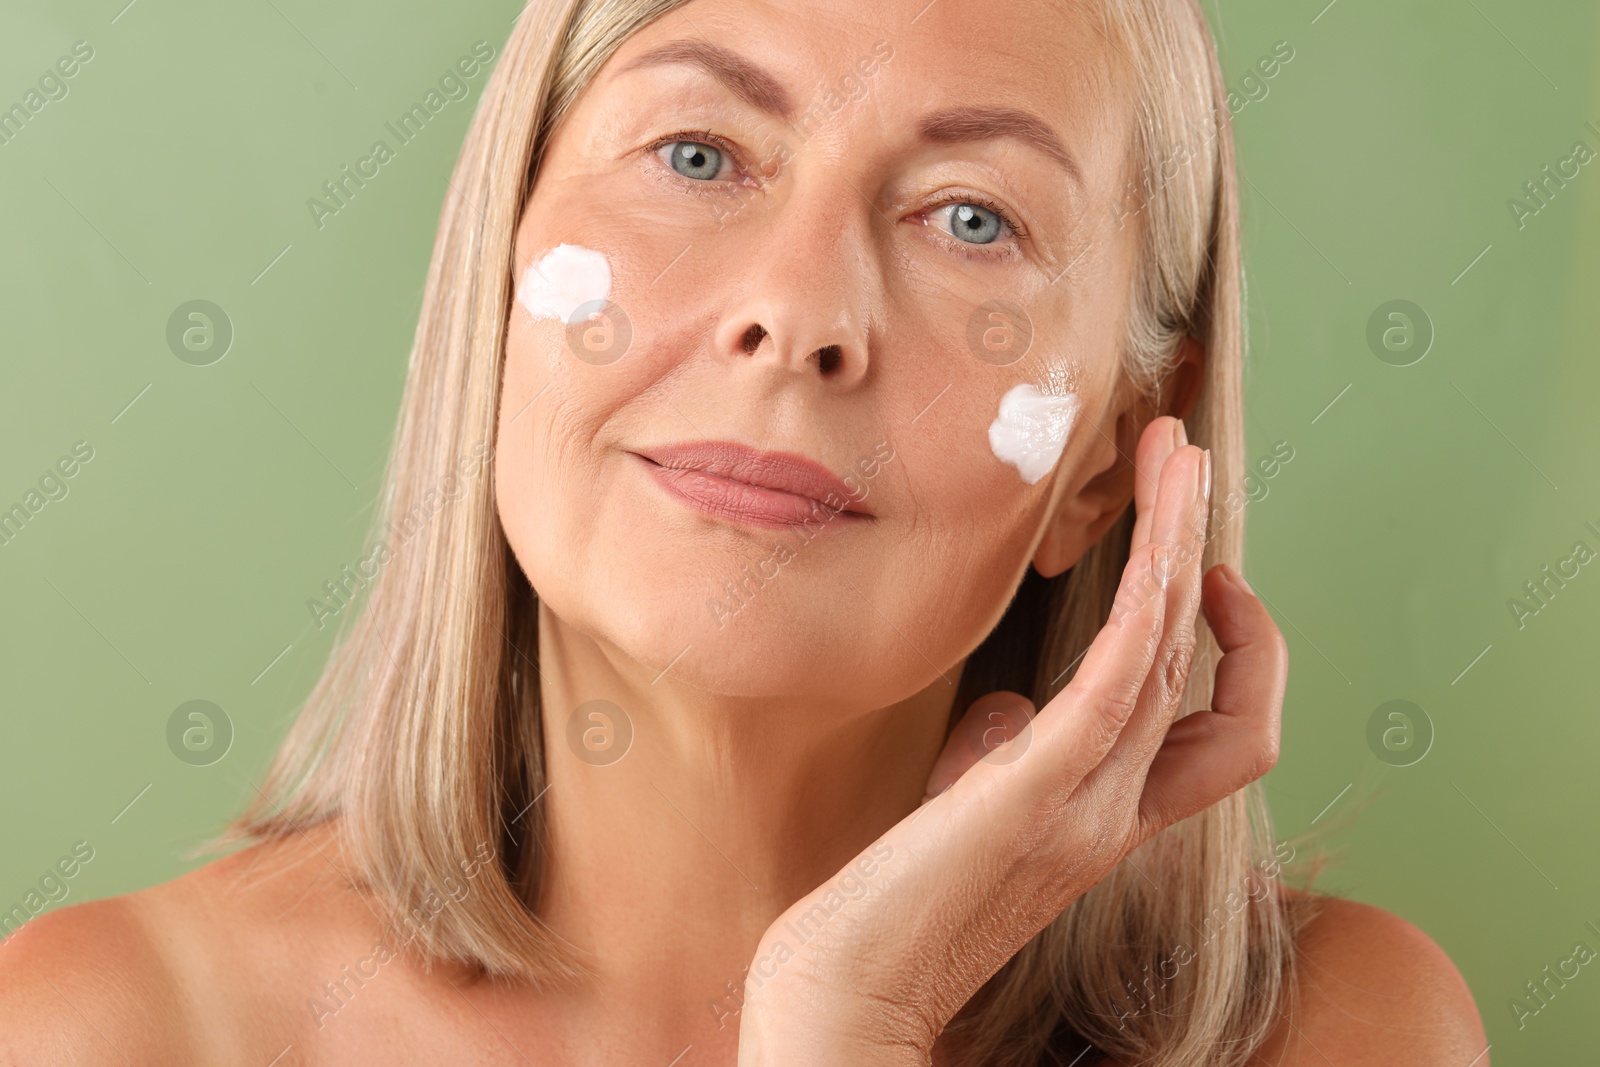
(1185, 379)
(1084, 515)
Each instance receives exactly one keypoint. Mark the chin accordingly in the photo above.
(731, 609)
(785, 642)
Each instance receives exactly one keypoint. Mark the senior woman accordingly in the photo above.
(845, 660)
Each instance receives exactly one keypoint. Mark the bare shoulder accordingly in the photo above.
(1374, 989)
(86, 984)
(178, 973)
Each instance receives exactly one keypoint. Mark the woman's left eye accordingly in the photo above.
(973, 223)
(693, 159)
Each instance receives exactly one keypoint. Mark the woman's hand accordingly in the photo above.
(871, 966)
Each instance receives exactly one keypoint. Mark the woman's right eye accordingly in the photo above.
(693, 159)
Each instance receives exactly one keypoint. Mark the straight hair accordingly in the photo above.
(421, 741)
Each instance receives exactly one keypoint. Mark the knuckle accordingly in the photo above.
(1114, 707)
(1122, 830)
(1266, 754)
(1280, 648)
(1095, 825)
(1192, 548)
(1180, 658)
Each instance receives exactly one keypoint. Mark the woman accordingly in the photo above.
(837, 377)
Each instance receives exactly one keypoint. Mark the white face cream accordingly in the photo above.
(568, 277)
(1032, 427)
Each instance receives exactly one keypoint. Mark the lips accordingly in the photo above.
(771, 489)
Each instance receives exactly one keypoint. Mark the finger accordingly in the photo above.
(1255, 665)
(1179, 522)
(1074, 730)
(992, 721)
(1210, 754)
(1160, 439)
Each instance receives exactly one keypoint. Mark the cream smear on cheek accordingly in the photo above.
(1031, 429)
(565, 279)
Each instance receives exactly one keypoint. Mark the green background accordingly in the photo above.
(1379, 165)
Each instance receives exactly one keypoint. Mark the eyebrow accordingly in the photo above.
(747, 81)
(954, 125)
(960, 124)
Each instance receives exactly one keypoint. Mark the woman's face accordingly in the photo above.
(837, 231)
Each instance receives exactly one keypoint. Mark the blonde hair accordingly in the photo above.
(422, 737)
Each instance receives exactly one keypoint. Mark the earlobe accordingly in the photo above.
(1188, 377)
(1065, 540)
(1055, 553)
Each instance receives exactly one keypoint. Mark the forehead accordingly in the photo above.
(1058, 60)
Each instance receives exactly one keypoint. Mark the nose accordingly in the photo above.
(807, 307)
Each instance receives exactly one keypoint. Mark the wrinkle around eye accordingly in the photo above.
(1000, 250)
(665, 150)
(947, 210)
(660, 175)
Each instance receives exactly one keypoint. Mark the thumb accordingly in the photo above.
(989, 724)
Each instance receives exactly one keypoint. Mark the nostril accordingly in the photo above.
(752, 338)
(828, 358)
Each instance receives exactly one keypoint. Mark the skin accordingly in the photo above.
(773, 749)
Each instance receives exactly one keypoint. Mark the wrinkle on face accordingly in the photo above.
(831, 239)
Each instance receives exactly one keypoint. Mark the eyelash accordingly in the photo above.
(969, 249)
(722, 144)
(976, 250)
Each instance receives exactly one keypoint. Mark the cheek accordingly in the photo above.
(545, 409)
(1031, 429)
(966, 518)
(570, 404)
(569, 284)
(1007, 431)
(981, 468)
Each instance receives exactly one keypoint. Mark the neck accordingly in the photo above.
(667, 864)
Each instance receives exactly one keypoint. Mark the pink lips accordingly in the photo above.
(774, 489)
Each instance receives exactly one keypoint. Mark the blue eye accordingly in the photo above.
(974, 224)
(693, 159)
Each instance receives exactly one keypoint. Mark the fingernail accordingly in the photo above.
(1206, 480)
(1180, 436)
